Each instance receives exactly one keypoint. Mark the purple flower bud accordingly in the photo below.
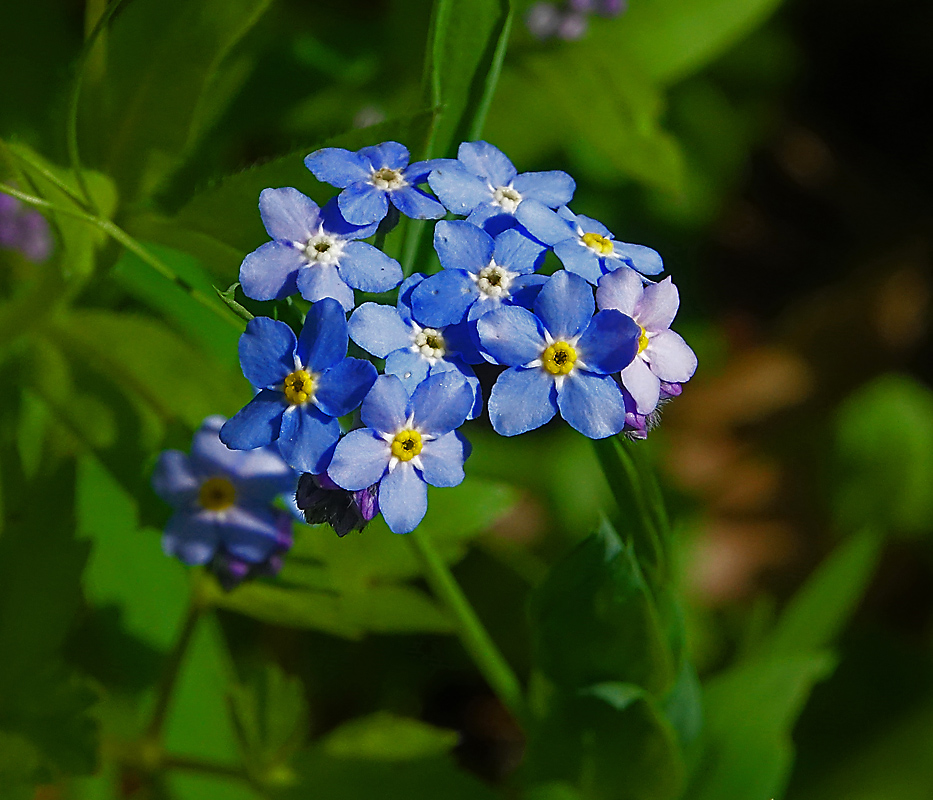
(24, 230)
(322, 501)
(611, 8)
(582, 6)
(543, 20)
(231, 571)
(572, 27)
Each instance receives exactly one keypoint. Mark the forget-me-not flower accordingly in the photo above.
(223, 505)
(408, 443)
(314, 251)
(482, 183)
(304, 384)
(584, 245)
(560, 359)
(373, 177)
(662, 354)
(480, 273)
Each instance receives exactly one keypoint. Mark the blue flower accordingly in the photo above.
(483, 184)
(371, 178)
(412, 350)
(313, 252)
(408, 442)
(584, 245)
(480, 273)
(223, 505)
(303, 384)
(559, 358)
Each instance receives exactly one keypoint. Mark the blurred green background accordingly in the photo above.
(777, 156)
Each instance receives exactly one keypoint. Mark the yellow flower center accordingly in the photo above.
(600, 244)
(406, 445)
(216, 494)
(642, 340)
(299, 387)
(559, 358)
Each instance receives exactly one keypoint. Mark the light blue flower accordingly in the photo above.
(373, 177)
(480, 274)
(482, 184)
(304, 384)
(314, 252)
(223, 505)
(414, 351)
(408, 443)
(585, 246)
(560, 358)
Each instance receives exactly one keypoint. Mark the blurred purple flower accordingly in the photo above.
(24, 230)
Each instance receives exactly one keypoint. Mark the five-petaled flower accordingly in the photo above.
(304, 385)
(408, 443)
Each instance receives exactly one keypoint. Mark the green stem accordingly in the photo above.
(194, 764)
(473, 635)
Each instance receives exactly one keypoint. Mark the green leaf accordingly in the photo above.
(612, 742)
(884, 457)
(750, 712)
(819, 610)
(466, 50)
(594, 620)
(168, 78)
(383, 736)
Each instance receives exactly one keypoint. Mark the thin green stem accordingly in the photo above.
(194, 764)
(473, 635)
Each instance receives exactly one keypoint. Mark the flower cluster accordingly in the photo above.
(590, 343)
(568, 20)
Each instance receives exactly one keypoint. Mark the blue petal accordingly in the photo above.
(379, 329)
(458, 366)
(442, 402)
(442, 460)
(489, 162)
(308, 437)
(580, 260)
(323, 340)
(403, 499)
(256, 424)
(388, 154)
(420, 170)
(368, 269)
(360, 460)
(337, 166)
(522, 400)
(191, 538)
(251, 534)
(458, 189)
(639, 257)
(462, 344)
(542, 223)
(525, 290)
(288, 214)
(513, 336)
(270, 272)
(410, 368)
(319, 281)
(565, 305)
(463, 246)
(516, 252)
(267, 352)
(334, 222)
(491, 218)
(414, 203)
(405, 291)
(444, 298)
(385, 408)
(590, 225)
(553, 188)
(592, 404)
(173, 479)
(609, 342)
(362, 203)
(342, 388)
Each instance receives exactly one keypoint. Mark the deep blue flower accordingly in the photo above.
(584, 245)
(482, 184)
(303, 385)
(321, 500)
(480, 273)
(223, 505)
(408, 442)
(413, 350)
(373, 177)
(313, 251)
(560, 358)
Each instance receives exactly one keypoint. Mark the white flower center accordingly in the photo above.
(429, 342)
(387, 180)
(494, 281)
(506, 198)
(324, 248)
